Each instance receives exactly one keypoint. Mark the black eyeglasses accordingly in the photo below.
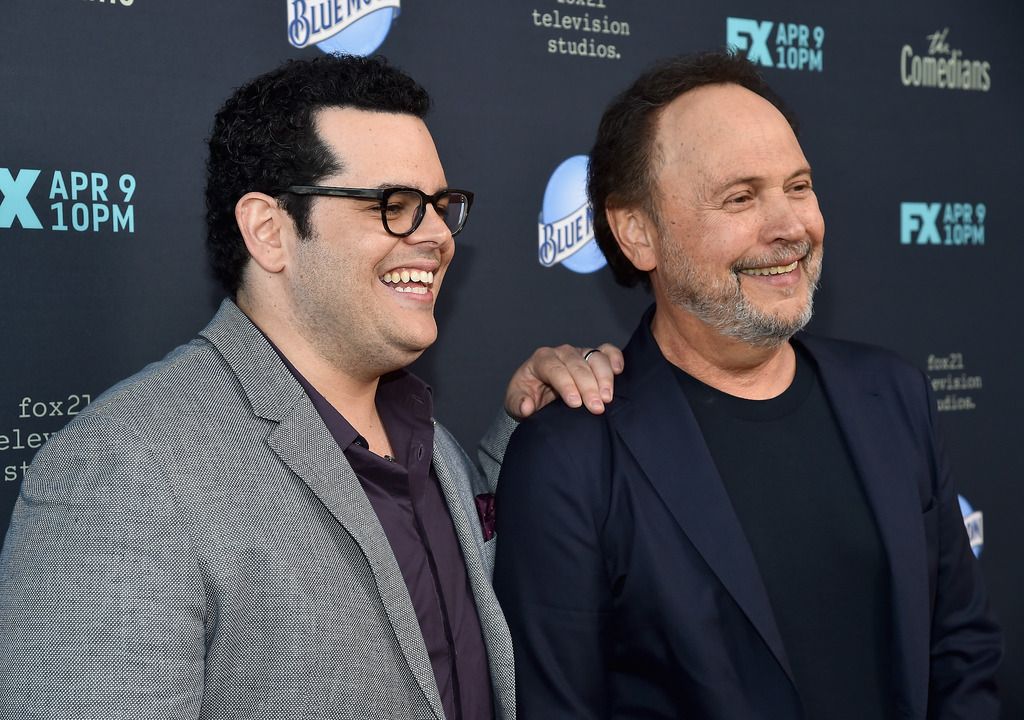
(402, 208)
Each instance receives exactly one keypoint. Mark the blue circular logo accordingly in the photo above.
(974, 522)
(566, 227)
(362, 37)
(353, 28)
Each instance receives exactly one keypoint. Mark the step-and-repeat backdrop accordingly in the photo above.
(910, 113)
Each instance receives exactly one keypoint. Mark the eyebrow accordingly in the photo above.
(389, 186)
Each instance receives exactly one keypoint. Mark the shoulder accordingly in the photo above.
(852, 372)
(190, 376)
(567, 450)
(852, 351)
(561, 425)
(229, 367)
(128, 433)
(862, 361)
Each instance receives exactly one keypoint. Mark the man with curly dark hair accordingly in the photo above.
(763, 525)
(268, 523)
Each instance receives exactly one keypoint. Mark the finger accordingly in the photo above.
(584, 377)
(615, 357)
(528, 389)
(602, 366)
(531, 404)
(556, 379)
(526, 408)
(520, 396)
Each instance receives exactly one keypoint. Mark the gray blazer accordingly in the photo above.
(195, 545)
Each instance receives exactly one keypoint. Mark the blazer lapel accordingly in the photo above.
(654, 420)
(304, 444)
(454, 472)
(878, 451)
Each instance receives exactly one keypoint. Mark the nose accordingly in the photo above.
(432, 229)
(782, 219)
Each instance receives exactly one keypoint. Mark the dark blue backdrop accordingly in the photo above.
(910, 113)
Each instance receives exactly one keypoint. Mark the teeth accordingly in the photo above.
(414, 289)
(774, 270)
(404, 276)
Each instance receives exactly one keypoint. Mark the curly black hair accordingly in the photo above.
(264, 139)
(620, 172)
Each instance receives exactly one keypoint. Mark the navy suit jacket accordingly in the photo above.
(632, 592)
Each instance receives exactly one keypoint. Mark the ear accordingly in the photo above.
(635, 234)
(262, 223)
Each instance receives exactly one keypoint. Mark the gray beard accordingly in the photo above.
(725, 308)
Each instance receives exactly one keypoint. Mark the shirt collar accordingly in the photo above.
(398, 393)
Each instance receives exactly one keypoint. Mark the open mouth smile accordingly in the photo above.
(772, 270)
(406, 280)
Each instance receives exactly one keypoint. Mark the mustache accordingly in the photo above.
(780, 254)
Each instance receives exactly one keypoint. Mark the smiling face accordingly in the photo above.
(739, 232)
(363, 298)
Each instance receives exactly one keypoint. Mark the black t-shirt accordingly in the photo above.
(803, 508)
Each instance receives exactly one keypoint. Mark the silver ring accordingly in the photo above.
(588, 353)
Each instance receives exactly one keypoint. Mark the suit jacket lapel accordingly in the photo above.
(868, 423)
(654, 420)
(303, 442)
(455, 472)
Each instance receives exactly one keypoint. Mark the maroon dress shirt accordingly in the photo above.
(405, 494)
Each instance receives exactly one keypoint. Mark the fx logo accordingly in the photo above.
(15, 205)
(955, 223)
(922, 220)
(752, 36)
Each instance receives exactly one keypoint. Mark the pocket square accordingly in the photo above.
(485, 509)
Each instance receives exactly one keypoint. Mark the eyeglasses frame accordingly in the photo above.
(382, 195)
